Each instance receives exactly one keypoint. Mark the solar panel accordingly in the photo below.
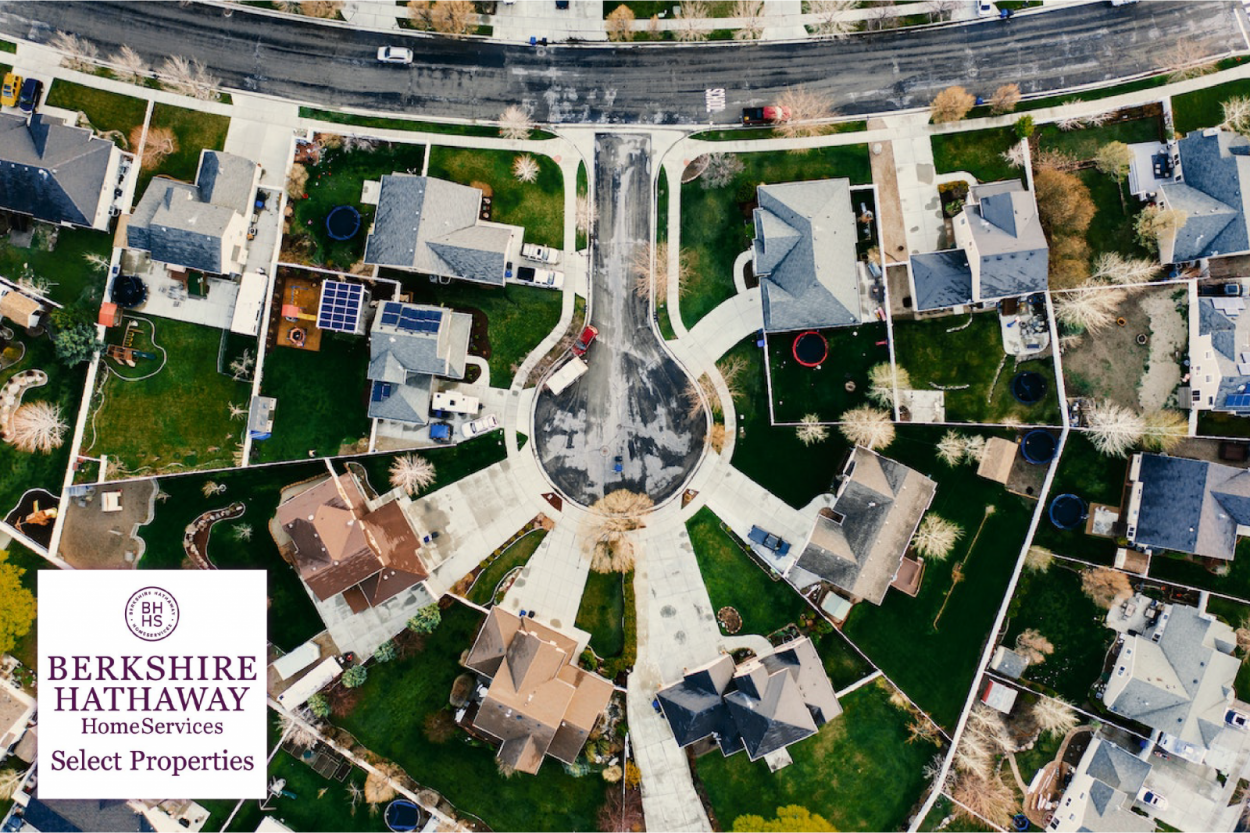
(381, 391)
(1238, 400)
(340, 306)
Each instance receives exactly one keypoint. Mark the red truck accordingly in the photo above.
(765, 115)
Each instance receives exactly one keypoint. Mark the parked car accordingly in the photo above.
(771, 114)
(440, 432)
(1152, 799)
(549, 278)
(1237, 719)
(11, 89)
(585, 340)
(394, 55)
(480, 426)
(542, 254)
(1231, 289)
(28, 100)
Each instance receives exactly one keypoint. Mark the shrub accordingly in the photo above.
(355, 676)
(426, 620)
(319, 705)
(1024, 127)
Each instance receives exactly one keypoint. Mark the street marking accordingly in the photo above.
(715, 99)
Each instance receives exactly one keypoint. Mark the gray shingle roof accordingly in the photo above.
(408, 402)
(1009, 240)
(1191, 506)
(51, 171)
(1215, 194)
(409, 360)
(804, 255)
(943, 279)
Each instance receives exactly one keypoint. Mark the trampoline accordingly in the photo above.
(1038, 446)
(342, 222)
(1028, 387)
(810, 349)
(1067, 511)
(403, 815)
(129, 291)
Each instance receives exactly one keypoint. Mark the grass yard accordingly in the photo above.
(1235, 615)
(20, 470)
(979, 152)
(106, 111)
(944, 809)
(517, 555)
(389, 720)
(59, 257)
(934, 660)
(177, 420)
(716, 224)
(1052, 602)
(1083, 143)
(799, 390)
(7, 46)
(1179, 568)
(1111, 230)
(450, 463)
(537, 207)
(219, 810)
(518, 318)
(971, 356)
(772, 455)
(737, 134)
(1211, 424)
(338, 180)
(859, 772)
(322, 398)
(1201, 108)
(1096, 479)
(602, 613)
(292, 618)
(319, 803)
(194, 130)
(388, 123)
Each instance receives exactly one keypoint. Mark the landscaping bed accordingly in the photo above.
(979, 152)
(107, 112)
(516, 555)
(538, 207)
(194, 131)
(823, 391)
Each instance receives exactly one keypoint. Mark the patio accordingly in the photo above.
(169, 296)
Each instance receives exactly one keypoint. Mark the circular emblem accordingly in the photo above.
(151, 613)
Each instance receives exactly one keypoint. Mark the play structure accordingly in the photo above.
(342, 222)
(1038, 446)
(297, 336)
(1068, 511)
(810, 349)
(1028, 387)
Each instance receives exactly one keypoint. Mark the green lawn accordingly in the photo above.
(63, 264)
(737, 134)
(1201, 108)
(1111, 230)
(7, 46)
(1095, 478)
(20, 470)
(450, 463)
(602, 613)
(979, 152)
(319, 803)
(1236, 615)
(537, 207)
(971, 356)
(177, 420)
(716, 228)
(944, 809)
(292, 617)
(518, 318)
(389, 720)
(518, 555)
(194, 131)
(772, 455)
(1177, 567)
(387, 123)
(583, 188)
(859, 772)
(1083, 143)
(338, 180)
(322, 398)
(106, 111)
(934, 660)
(799, 390)
(1211, 424)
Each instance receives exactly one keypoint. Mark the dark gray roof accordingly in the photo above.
(943, 279)
(226, 180)
(408, 401)
(1215, 194)
(1191, 506)
(804, 255)
(1014, 256)
(1219, 326)
(1118, 769)
(694, 707)
(409, 359)
(51, 171)
(74, 815)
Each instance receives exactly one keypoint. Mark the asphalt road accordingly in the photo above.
(299, 59)
(630, 402)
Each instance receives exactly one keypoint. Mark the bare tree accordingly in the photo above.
(620, 23)
(515, 123)
(241, 366)
(584, 213)
(645, 273)
(951, 104)
(10, 779)
(1237, 115)
(236, 411)
(610, 520)
(936, 537)
(129, 66)
(412, 473)
(867, 426)
(1187, 59)
(721, 169)
(1054, 716)
(832, 18)
(1165, 430)
(1087, 310)
(211, 487)
(1015, 156)
(1038, 559)
(80, 53)
(951, 448)
(1156, 223)
(808, 111)
(751, 15)
(297, 181)
(881, 17)
(37, 426)
(325, 9)
(810, 431)
(989, 797)
(1034, 647)
(295, 730)
(1114, 429)
(882, 379)
(941, 11)
(1005, 99)
(975, 448)
(692, 22)
(243, 532)
(447, 17)
(1115, 268)
(188, 77)
(525, 168)
(1105, 587)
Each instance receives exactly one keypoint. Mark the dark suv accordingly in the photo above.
(29, 98)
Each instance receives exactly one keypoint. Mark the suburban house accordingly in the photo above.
(1219, 354)
(30, 813)
(343, 543)
(858, 542)
(16, 710)
(804, 257)
(538, 702)
(59, 174)
(202, 226)
(435, 227)
(763, 705)
(1000, 252)
(1174, 672)
(1212, 188)
(409, 345)
(1190, 506)
(1102, 791)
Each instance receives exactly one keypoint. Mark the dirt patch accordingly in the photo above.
(1110, 364)
(1169, 340)
(97, 540)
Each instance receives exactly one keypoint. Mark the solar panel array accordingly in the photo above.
(382, 391)
(411, 319)
(340, 306)
(1238, 400)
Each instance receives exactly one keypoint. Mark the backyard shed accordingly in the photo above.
(996, 464)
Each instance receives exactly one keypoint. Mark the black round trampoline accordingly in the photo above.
(810, 349)
(1038, 446)
(1028, 387)
(402, 815)
(1067, 511)
(342, 222)
(129, 291)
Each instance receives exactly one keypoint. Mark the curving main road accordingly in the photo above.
(296, 58)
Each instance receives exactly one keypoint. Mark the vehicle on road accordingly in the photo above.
(28, 100)
(1236, 719)
(394, 55)
(440, 432)
(765, 115)
(585, 340)
(480, 426)
(1153, 799)
(542, 254)
(566, 375)
(11, 89)
(549, 278)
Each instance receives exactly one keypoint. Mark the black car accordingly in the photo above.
(29, 98)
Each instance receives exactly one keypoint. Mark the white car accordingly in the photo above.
(548, 278)
(480, 426)
(394, 55)
(542, 254)
(1236, 719)
(1152, 799)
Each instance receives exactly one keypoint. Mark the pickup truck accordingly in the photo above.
(765, 115)
(542, 254)
(549, 278)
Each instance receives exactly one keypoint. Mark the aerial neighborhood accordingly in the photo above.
(683, 416)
